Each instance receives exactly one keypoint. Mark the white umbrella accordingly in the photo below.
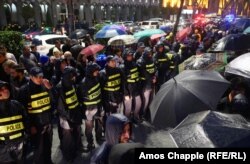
(240, 66)
(121, 40)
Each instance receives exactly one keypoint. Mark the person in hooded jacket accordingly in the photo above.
(162, 64)
(12, 127)
(70, 114)
(90, 96)
(132, 91)
(148, 78)
(118, 130)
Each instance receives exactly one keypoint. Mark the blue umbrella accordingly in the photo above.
(109, 33)
(113, 26)
(166, 28)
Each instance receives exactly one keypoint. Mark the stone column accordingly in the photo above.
(3, 20)
(117, 13)
(81, 13)
(150, 10)
(98, 13)
(88, 14)
(19, 8)
(138, 13)
(37, 10)
(108, 12)
(53, 12)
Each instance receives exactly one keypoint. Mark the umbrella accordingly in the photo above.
(114, 26)
(189, 92)
(212, 129)
(121, 40)
(78, 34)
(205, 129)
(247, 30)
(92, 49)
(166, 29)
(109, 33)
(148, 33)
(156, 36)
(232, 42)
(206, 61)
(182, 34)
(240, 66)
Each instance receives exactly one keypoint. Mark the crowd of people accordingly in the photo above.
(72, 87)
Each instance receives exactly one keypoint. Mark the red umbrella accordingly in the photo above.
(156, 36)
(183, 34)
(92, 49)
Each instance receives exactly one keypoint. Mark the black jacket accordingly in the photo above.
(68, 105)
(89, 92)
(111, 80)
(37, 100)
(132, 79)
(147, 71)
(12, 112)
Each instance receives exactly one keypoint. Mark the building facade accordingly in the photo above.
(221, 7)
(90, 11)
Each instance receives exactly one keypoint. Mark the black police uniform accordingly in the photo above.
(37, 101)
(70, 114)
(112, 88)
(162, 64)
(147, 73)
(12, 130)
(132, 87)
(90, 96)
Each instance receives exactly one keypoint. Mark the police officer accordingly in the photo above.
(112, 86)
(132, 89)
(148, 78)
(70, 114)
(162, 64)
(12, 127)
(36, 98)
(174, 60)
(90, 95)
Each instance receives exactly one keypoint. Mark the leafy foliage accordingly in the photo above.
(13, 41)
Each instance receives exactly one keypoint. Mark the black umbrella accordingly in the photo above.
(232, 42)
(189, 92)
(78, 34)
(212, 129)
(205, 129)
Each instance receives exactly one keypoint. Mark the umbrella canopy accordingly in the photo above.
(206, 61)
(189, 92)
(109, 33)
(156, 36)
(182, 34)
(148, 33)
(240, 66)
(232, 42)
(203, 130)
(247, 30)
(121, 40)
(78, 34)
(212, 129)
(92, 49)
(114, 26)
(166, 29)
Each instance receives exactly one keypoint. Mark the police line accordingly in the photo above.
(161, 155)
